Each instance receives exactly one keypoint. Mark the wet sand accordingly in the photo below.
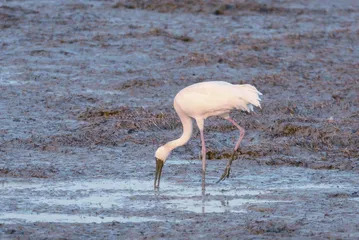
(86, 98)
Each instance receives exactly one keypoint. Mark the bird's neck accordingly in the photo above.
(187, 131)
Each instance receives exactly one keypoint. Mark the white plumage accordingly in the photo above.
(200, 101)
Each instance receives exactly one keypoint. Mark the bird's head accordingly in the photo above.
(162, 153)
(161, 156)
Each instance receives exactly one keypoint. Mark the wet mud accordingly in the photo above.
(86, 98)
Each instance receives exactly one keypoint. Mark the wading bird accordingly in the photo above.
(200, 101)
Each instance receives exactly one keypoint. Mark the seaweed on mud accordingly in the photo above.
(234, 59)
(123, 112)
(7, 20)
(291, 153)
(247, 152)
(17, 10)
(324, 133)
(105, 38)
(113, 127)
(108, 127)
(289, 129)
(339, 195)
(319, 42)
(223, 128)
(247, 43)
(318, 35)
(261, 209)
(40, 52)
(158, 32)
(266, 227)
(10, 16)
(30, 172)
(164, 33)
(320, 137)
(136, 83)
(308, 163)
(78, 6)
(197, 59)
(238, 58)
(215, 7)
(281, 80)
(285, 161)
(212, 154)
(102, 113)
(138, 118)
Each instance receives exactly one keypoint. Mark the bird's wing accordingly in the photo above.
(212, 98)
(217, 98)
(249, 94)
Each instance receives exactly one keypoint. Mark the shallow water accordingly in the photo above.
(64, 218)
(138, 195)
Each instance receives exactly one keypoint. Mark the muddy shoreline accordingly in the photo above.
(86, 98)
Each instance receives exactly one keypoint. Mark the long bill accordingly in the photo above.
(159, 165)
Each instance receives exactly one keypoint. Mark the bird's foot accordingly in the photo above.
(226, 173)
(235, 154)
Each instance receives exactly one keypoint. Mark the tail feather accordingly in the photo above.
(249, 96)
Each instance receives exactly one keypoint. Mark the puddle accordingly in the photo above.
(214, 206)
(106, 193)
(105, 201)
(170, 189)
(9, 82)
(100, 184)
(101, 92)
(135, 195)
(6, 184)
(182, 162)
(64, 218)
(6, 79)
(311, 186)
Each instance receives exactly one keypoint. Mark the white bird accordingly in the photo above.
(200, 101)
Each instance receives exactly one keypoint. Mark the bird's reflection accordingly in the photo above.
(203, 192)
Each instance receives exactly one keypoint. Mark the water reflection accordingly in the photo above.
(203, 192)
(131, 195)
(18, 198)
(54, 217)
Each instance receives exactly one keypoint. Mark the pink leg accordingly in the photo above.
(203, 152)
(200, 123)
(241, 133)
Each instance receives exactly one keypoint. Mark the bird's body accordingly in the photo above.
(218, 98)
(202, 100)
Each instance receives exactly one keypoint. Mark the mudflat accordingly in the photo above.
(86, 98)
